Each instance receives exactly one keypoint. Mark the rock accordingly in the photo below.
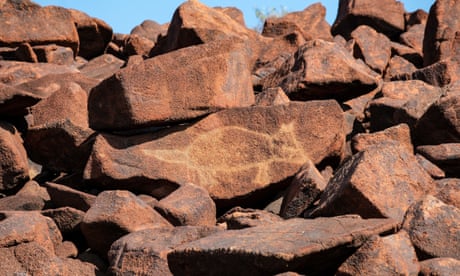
(440, 74)
(14, 169)
(431, 168)
(391, 255)
(138, 45)
(15, 101)
(58, 136)
(310, 23)
(304, 190)
(385, 17)
(359, 186)
(297, 245)
(312, 73)
(55, 54)
(434, 228)
(448, 191)
(235, 13)
(49, 24)
(14, 72)
(67, 249)
(408, 53)
(32, 188)
(93, 33)
(446, 156)
(271, 96)
(234, 154)
(21, 203)
(399, 134)
(144, 252)
(115, 214)
(36, 260)
(413, 38)
(8, 263)
(441, 37)
(418, 16)
(398, 66)
(67, 219)
(440, 266)
(402, 102)
(372, 47)
(102, 67)
(183, 85)
(63, 196)
(189, 205)
(150, 30)
(239, 218)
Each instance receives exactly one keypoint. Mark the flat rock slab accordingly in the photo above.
(300, 245)
(446, 156)
(181, 85)
(232, 153)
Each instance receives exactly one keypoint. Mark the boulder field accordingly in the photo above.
(204, 147)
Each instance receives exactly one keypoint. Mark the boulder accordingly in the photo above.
(15, 101)
(408, 53)
(102, 67)
(14, 169)
(431, 168)
(359, 186)
(138, 45)
(55, 54)
(234, 153)
(446, 156)
(440, 266)
(418, 16)
(441, 73)
(63, 196)
(398, 66)
(434, 228)
(115, 214)
(313, 73)
(448, 191)
(21, 203)
(300, 245)
(385, 17)
(399, 134)
(239, 218)
(67, 219)
(413, 38)
(271, 96)
(15, 72)
(182, 85)
(150, 30)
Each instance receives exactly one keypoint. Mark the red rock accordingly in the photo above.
(8, 263)
(102, 67)
(204, 82)
(445, 156)
(67, 219)
(115, 214)
(15, 101)
(188, 205)
(398, 66)
(440, 74)
(304, 190)
(399, 134)
(271, 96)
(55, 54)
(21, 203)
(310, 23)
(150, 30)
(312, 73)
(234, 13)
(239, 218)
(14, 169)
(359, 186)
(441, 37)
(440, 266)
(408, 53)
(391, 255)
(63, 196)
(434, 228)
(262, 146)
(49, 24)
(385, 17)
(32, 188)
(36, 260)
(297, 245)
(448, 191)
(413, 37)
(418, 16)
(144, 252)
(67, 249)
(138, 45)
(372, 47)
(431, 168)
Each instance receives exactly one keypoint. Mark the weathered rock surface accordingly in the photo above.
(395, 172)
(67, 219)
(312, 73)
(448, 191)
(440, 266)
(14, 101)
(446, 156)
(150, 30)
(183, 85)
(297, 245)
(145, 252)
(239, 218)
(432, 169)
(434, 228)
(63, 196)
(232, 154)
(396, 134)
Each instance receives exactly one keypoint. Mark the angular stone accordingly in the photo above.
(8, 263)
(271, 96)
(372, 47)
(359, 186)
(15, 72)
(145, 252)
(310, 23)
(413, 38)
(448, 191)
(312, 73)
(102, 67)
(32, 188)
(58, 136)
(234, 13)
(36, 260)
(441, 35)
(55, 54)
(239, 218)
(67, 219)
(15, 101)
(49, 24)
(189, 205)
(434, 228)
(440, 74)
(138, 45)
(183, 85)
(418, 16)
(392, 255)
(67, 249)
(398, 66)
(21, 203)
(115, 214)
(440, 266)
(297, 245)
(63, 196)
(14, 169)
(93, 33)
(150, 30)
(440, 123)
(431, 168)
(385, 17)
(233, 153)
(402, 102)
(446, 156)
(408, 53)
(399, 134)
(304, 190)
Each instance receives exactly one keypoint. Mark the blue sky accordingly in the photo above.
(125, 15)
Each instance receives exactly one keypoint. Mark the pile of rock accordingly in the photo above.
(202, 147)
